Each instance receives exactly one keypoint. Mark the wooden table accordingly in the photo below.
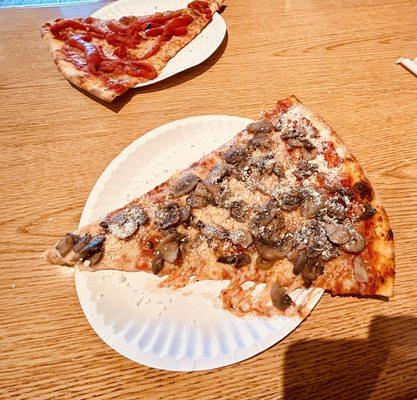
(338, 57)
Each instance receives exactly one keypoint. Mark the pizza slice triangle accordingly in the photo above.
(282, 206)
(107, 57)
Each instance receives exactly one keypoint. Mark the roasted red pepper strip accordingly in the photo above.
(120, 51)
(58, 27)
(117, 27)
(155, 48)
(116, 40)
(65, 24)
(201, 7)
(143, 70)
(180, 31)
(176, 26)
(180, 22)
(91, 52)
(154, 32)
(161, 19)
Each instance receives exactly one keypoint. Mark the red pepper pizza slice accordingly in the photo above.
(283, 205)
(107, 57)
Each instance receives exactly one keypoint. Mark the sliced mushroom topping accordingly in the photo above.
(356, 243)
(289, 132)
(242, 171)
(267, 252)
(320, 246)
(339, 189)
(104, 225)
(345, 192)
(93, 246)
(278, 170)
(368, 212)
(337, 233)
(171, 237)
(169, 251)
(241, 237)
(215, 232)
(335, 209)
(307, 144)
(185, 214)
(329, 253)
(184, 185)
(230, 259)
(261, 218)
(197, 224)
(89, 249)
(238, 260)
(278, 125)
(273, 207)
(235, 154)
(311, 205)
(309, 268)
(290, 199)
(265, 164)
(299, 259)
(239, 210)
(280, 299)
(359, 270)
(294, 142)
(305, 169)
(218, 192)
(309, 154)
(218, 172)
(314, 248)
(157, 263)
(261, 126)
(262, 140)
(96, 258)
(138, 214)
(272, 234)
(84, 240)
(195, 201)
(242, 259)
(186, 246)
(263, 264)
(168, 248)
(311, 271)
(277, 224)
(202, 191)
(270, 253)
(125, 223)
(168, 216)
(65, 245)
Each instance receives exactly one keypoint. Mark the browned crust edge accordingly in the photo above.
(383, 244)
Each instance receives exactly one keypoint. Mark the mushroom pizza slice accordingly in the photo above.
(282, 206)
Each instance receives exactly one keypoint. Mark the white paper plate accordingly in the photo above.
(202, 47)
(181, 330)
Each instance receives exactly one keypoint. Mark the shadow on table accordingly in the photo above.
(174, 80)
(384, 363)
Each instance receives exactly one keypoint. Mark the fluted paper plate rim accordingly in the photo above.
(130, 331)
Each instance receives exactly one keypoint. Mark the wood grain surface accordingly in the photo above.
(338, 58)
